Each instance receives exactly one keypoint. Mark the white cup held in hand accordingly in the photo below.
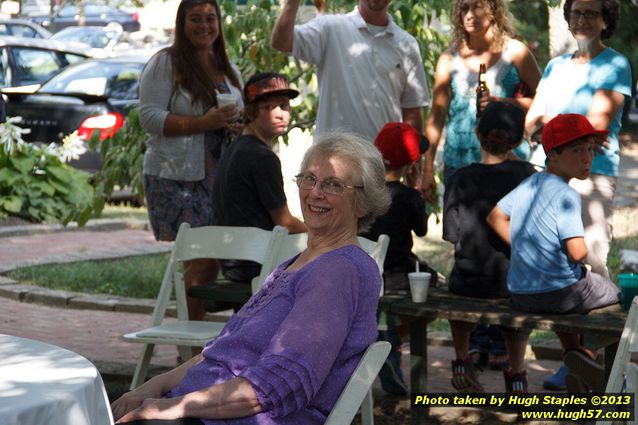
(225, 99)
(419, 283)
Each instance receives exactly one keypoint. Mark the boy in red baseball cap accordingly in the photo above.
(401, 147)
(541, 220)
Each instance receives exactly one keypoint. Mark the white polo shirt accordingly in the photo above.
(365, 79)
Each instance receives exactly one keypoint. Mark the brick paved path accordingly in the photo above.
(91, 333)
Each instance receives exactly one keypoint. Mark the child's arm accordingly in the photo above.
(500, 223)
(576, 249)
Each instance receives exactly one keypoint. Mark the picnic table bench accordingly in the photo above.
(441, 304)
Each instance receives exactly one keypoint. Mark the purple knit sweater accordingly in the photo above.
(297, 340)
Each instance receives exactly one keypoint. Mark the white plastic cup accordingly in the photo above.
(419, 284)
(225, 99)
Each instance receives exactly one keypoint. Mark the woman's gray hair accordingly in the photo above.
(368, 171)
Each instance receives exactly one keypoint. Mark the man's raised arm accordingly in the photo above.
(284, 29)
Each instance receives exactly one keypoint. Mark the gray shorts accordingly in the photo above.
(589, 293)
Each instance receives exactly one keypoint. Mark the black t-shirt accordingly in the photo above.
(248, 185)
(406, 214)
(481, 258)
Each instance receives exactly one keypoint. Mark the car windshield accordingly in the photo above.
(96, 38)
(116, 80)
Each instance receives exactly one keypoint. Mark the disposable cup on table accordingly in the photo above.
(628, 283)
(419, 284)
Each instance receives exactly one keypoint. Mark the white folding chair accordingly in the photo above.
(226, 242)
(624, 374)
(357, 389)
(295, 243)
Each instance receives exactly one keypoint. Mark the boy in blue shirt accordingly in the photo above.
(541, 220)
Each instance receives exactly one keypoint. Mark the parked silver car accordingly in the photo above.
(102, 41)
(22, 28)
(26, 61)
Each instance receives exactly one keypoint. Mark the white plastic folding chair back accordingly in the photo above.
(295, 243)
(624, 374)
(377, 251)
(358, 385)
(233, 243)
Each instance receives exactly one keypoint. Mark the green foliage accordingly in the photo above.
(36, 185)
(247, 30)
(123, 157)
(531, 24)
(136, 277)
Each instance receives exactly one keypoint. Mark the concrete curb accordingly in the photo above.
(92, 225)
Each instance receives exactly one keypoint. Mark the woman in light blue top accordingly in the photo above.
(187, 128)
(594, 81)
(482, 34)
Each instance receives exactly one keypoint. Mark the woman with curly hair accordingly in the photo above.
(482, 34)
(187, 128)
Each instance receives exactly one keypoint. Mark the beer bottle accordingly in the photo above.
(481, 89)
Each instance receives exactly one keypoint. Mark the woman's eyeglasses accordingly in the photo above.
(329, 186)
(589, 15)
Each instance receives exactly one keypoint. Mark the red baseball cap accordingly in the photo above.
(400, 144)
(565, 128)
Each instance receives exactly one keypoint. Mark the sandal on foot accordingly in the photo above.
(464, 378)
(515, 383)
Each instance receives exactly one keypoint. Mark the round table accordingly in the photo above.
(41, 384)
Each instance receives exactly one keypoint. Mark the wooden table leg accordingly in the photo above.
(419, 366)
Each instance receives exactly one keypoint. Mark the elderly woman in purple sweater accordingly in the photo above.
(285, 357)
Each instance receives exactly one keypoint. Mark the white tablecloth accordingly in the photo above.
(41, 384)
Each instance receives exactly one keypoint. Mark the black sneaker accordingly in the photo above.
(391, 376)
(464, 378)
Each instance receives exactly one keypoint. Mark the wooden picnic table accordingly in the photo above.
(441, 304)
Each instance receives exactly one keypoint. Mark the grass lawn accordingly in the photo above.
(138, 277)
(124, 212)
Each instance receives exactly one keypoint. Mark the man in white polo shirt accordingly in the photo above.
(370, 70)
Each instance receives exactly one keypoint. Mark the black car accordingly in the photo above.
(94, 14)
(94, 95)
(25, 61)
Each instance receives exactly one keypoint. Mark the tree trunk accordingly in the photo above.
(560, 39)
(81, 20)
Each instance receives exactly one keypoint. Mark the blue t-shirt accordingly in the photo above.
(568, 87)
(543, 211)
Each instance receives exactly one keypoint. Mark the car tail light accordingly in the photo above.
(107, 124)
(136, 17)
